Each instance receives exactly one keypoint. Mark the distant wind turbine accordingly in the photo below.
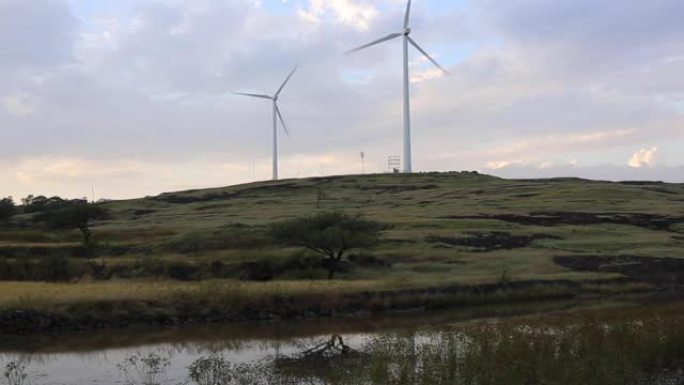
(406, 32)
(276, 115)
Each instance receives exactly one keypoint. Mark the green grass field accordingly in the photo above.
(445, 229)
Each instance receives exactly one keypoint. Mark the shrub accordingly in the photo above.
(46, 268)
(328, 233)
(15, 374)
(258, 271)
(182, 271)
(144, 370)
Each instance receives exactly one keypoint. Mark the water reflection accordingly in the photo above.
(607, 346)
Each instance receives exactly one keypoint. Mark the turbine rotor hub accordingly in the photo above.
(407, 31)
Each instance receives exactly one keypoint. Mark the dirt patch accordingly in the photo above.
(664, 272)
(548, 219)
(482, 242)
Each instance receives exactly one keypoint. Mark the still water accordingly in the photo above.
(92, 358)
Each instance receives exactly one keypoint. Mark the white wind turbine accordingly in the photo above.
(405, 33)
(276, 115)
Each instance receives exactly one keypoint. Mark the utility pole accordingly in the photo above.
(363, 163)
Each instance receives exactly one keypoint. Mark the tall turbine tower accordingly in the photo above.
(405, 33)
(276, 115)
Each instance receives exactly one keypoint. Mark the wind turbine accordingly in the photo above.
(405, 34)
(276, 115)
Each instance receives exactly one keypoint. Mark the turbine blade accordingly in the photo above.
(253, 95)
(427, 56)
(384, 39)
(286, 80)
(282, 121)
(407, 18)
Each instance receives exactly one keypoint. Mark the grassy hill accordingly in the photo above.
(446, 230)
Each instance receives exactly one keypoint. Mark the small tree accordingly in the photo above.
(329, 233)
(7, 208)
(79, 216)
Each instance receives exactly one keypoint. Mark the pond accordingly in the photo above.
(549, 344)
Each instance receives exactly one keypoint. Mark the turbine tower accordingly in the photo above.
(276, 115)
(406, 35)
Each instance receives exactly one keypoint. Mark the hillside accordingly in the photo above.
(446, 230)
(460, 224)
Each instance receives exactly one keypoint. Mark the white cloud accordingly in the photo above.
(36, 34)
(421, 76)
(501, 164)
(643, 158)
(348, 12)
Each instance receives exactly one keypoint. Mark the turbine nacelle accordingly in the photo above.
(407, 31)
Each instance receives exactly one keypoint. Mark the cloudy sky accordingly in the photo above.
(133, 96)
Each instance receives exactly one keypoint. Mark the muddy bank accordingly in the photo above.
(124, 314)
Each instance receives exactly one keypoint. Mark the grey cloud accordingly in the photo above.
(630, 26)
(35, 34)
(590, 40)
(172, 48)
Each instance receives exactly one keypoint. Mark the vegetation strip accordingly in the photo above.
(198, 309)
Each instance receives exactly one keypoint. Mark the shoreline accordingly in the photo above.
(124, 314)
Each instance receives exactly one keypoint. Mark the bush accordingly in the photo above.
(182, 271)
(54, 269)
(217, 269)
(144, 370)
(48, 268)
(369, 261)
(258, 271)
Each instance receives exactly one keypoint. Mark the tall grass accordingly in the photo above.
(642, 349)
(39, 295)
(120, 303)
